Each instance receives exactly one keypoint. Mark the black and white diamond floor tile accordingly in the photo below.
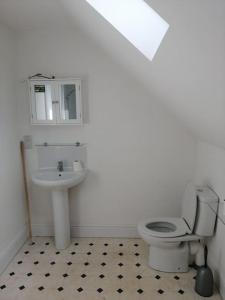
(90, 269)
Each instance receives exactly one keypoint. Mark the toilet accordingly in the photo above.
(172, 241)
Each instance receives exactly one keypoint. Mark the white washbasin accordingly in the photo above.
(54, 179)
(59, 183)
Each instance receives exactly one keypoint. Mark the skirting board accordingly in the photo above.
(8, 253)
(89, 231)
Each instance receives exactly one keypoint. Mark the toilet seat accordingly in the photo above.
(164, 227)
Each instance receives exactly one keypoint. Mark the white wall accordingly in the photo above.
(139, 157)
(211, 171)
(12, 217)
(188, 70)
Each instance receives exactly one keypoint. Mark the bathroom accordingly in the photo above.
(148, 128)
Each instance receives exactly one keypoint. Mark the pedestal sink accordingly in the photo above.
(59, 183)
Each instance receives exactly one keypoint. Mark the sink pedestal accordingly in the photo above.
(60, 203)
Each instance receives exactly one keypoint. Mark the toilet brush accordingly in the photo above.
(204, 279)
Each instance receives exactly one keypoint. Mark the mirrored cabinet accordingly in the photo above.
(55, 102)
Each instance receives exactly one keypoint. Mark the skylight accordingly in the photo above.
(136, 21)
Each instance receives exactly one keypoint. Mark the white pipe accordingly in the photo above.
(197, 249)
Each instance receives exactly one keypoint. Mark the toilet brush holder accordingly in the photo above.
(204, 283)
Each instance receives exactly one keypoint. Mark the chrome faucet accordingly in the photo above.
(60, 166)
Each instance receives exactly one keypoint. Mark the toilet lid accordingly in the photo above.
(189, 206)
(164, 227)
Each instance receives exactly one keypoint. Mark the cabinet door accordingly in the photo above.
(42, 107)
(69, 102)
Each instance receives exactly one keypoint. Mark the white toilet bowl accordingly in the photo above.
(169, 243)
(172, 240)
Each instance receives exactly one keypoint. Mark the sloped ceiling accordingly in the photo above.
(188, 71)
(21, 15)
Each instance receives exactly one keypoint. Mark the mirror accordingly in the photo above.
(68, 101)
(56, 102)
(43, 102)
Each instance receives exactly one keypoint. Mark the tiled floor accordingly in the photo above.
(91, 269)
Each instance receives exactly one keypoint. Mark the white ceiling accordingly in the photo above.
(187, 73)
